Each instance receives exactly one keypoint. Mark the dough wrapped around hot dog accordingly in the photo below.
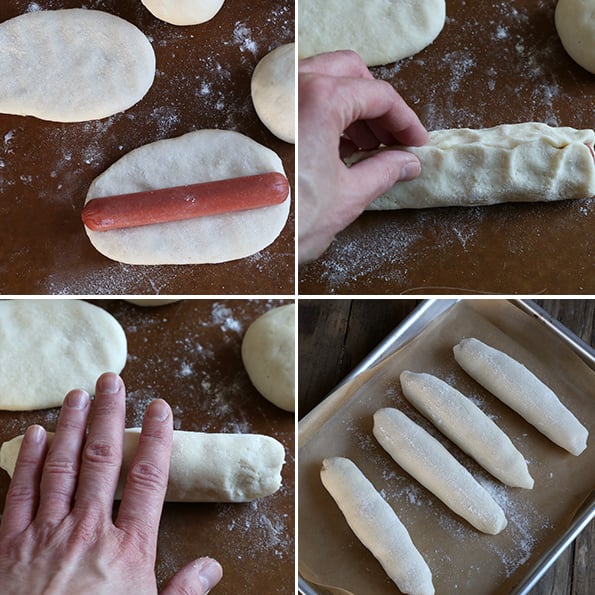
(521, 390)
(524, 162)
(423, 457)
(467, 426)
(204, 467)
(376, 525)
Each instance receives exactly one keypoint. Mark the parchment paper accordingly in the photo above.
(462, 560)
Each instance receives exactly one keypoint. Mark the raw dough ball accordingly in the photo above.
(204, 467)
(72, 65)
(200, 156)
(268, 353)
(273, 91)
(380, 31)
(183, 12)
(150, 302)
(49, 347)
(575, 23)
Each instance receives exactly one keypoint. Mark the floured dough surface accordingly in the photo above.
(467, 426)
(204, 467)
(183, 12)
(273, 91)
(380, 31)
(529, 161)
(376, 525)
(268, 353)
(423, 457)
(72, 65)
(516, 386)
(49, 347)
(200, 156)
(575, 23)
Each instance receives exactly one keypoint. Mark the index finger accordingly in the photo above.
(345, 63)
(146, 483)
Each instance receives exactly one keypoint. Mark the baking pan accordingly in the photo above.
(542, 521)
(188, 353)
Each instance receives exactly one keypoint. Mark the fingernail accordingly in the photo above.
(158, 410)
(410, 171)
(209, 572)
(77, 399)
(109, 383)
(35, 434)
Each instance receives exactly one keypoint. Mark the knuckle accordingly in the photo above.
(100, 452)
(147, 476)
(19, 492)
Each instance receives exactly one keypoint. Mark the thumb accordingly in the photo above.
(196, 578)
(376, 174)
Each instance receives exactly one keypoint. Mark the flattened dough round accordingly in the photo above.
(183, 12)
(575, 23)
(273, 91)
(268, 353)
(72, 65)
(200, 156)
(380, 31)
(152, 302)
(49, 347)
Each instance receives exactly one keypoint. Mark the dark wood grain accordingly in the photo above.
(335, 335)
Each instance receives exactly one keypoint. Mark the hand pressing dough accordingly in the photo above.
(72, 65)
(183, 12)
(204, 467)
(468, 427)
(423, 457)
(575, 23)
(377, 526)
(508, 163)
(268, 353)
(521, 390)
(380, 31)
(49, 347)
(273, 91)
(200, 156)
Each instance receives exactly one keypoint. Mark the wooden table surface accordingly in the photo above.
(335, 335)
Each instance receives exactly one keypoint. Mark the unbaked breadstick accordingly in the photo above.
(524, 162)
(467, 426)
(376, 525)
(522, 391)
(423, 457)
(204, 467)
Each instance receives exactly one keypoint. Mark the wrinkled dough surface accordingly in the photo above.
(72, 65)
(380, 31)
(376, 525)
(204, 467)
(508, 163)
(49, 347)
(183, 12)
(200, 156)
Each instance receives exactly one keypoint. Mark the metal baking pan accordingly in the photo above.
(522, 317)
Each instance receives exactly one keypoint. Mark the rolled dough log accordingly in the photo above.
(268, 353)
(204, 467)
(200, 156)
(72, 65)
(423, 457)
(183, 12)
(575, 23)
(377, 526)
(508, 163)
(467, 426)
(48, 347)
(521, 390)
(273, 91)
(380, 31)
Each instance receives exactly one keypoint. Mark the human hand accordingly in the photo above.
(341, 109)
(57, 535)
